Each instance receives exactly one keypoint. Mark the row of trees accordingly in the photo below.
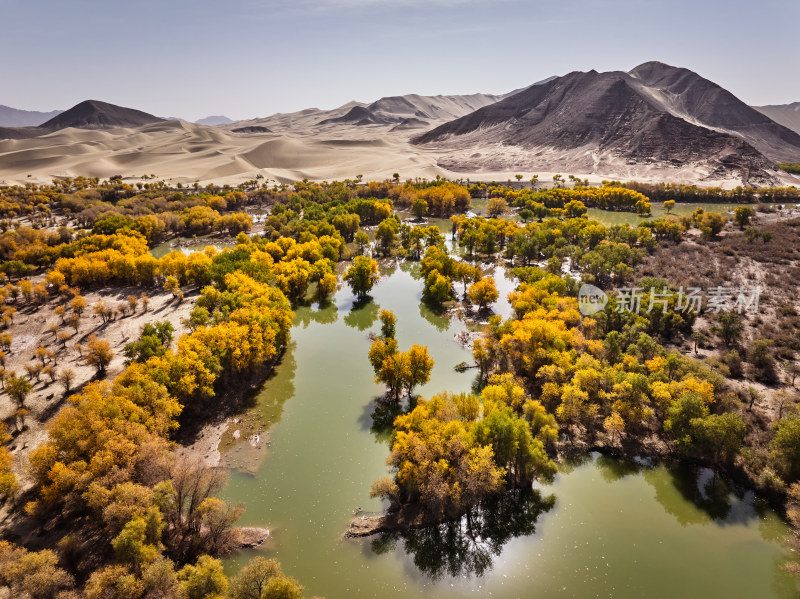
(109, 454)
(608, 197)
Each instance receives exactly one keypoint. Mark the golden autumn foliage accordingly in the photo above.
(452, 451)
(584, 381)
(8, 482)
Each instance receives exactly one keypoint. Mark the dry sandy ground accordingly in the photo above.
(30, 331)
(746, 273)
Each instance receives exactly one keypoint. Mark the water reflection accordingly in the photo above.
(378, 417)
(437, 319)
(613, 469)
(467, 547)
(696, 496)
(327, 313)
(691, 494)
(506, 283)
(363, 314)
(245, 442)
(412, 268)
(600, 539)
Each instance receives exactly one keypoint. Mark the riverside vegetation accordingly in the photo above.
(126, 517)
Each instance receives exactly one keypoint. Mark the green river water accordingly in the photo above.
(604, 528)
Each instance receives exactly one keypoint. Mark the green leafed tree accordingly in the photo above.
(362, 275)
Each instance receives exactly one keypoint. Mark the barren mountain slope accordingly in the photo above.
(654, 115)
(787, 115)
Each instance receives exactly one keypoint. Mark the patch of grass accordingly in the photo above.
(790, 167)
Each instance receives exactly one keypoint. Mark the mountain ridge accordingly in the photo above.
(653, 123)
(787, 115)
(654, 112)
(17, 117)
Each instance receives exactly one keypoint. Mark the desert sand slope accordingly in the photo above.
(787, 115)
(184, 152)
(299, 123)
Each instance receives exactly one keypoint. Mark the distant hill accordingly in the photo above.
(653, 113)
(787, 115)
(357, 115)
(93, 114)
(397, 112)
(14, 117)
(430, 108)
(214, 120)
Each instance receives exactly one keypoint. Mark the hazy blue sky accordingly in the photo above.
(248, 58)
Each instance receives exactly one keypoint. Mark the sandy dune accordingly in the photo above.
(183, 152)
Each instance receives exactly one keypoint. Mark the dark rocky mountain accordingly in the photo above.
(14, 117)
(93, 114)
(691, 97)
(90, 114)
(653, 113)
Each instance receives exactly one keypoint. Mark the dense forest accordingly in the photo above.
(121, 513)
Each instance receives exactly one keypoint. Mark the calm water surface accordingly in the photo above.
(604, 528)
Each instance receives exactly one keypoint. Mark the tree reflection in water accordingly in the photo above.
(692, 494)
(326, 313)
(467, 547)
(363, 314)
